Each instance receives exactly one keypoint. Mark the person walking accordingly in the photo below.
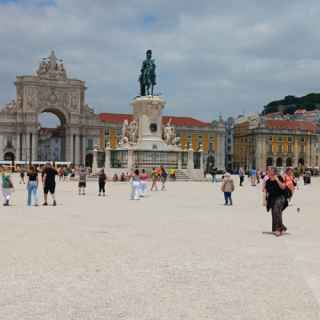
(253, 177)
(276, 200)
(241, 176)
(163, 177)
(154, 178)
(227, 188)
(102, 178)
(49, 183)
(143, 183)
(22, 175)
(135, 185)
(82, 180)
(32, 186)
(6, 186)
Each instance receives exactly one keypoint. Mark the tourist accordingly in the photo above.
(135, 185)
(102, 178)
(276, 200)
(253, 176)
(22, 175)
(214, 175)
(49, 183)
(115, 178)
(61, 174)
(6, 186)
(154, 178)
(143, 182)
(82, 180)
(73, 173)
(241, 176)
(122, 177)
(163, 177)
(290, 182)
(32, 186)
(227, 188)
(258, 176)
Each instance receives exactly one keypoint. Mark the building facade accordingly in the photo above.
(48, 90)
(191, 133)
(260, 141)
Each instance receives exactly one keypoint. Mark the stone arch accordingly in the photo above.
(289, 162)
(61, 114)
(52, 141)
(269, 162)
(279, 162)
(9, 156)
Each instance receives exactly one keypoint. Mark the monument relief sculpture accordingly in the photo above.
(147, 77)
(169, 133)
(133, 131)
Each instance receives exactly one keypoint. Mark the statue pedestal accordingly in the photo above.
(147, 112)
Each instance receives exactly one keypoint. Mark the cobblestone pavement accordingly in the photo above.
(178, 254)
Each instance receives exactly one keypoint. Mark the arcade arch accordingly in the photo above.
(51, 135)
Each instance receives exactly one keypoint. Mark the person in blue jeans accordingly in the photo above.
(32, 186)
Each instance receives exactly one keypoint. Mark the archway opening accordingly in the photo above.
(51, 136)
(269, 162)
(89, 160)
(301, 162)
(9, 156)
(289, 162)
(279, 162)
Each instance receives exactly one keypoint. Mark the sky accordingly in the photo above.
(213, 57)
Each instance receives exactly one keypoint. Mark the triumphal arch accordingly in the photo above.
(48, 90)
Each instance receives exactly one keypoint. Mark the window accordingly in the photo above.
(90, 144)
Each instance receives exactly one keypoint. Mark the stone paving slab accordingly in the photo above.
(178, 254)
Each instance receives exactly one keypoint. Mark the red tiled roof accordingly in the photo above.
(291, 125)
(177, 121)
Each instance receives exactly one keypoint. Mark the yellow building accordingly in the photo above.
(261, 141)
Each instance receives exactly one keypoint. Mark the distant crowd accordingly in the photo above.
(277, 187)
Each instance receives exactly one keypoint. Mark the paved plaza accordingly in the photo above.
(178, 254)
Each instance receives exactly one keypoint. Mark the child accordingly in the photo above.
(227, 188)
(82, 180)
(102, 182)
(135, 185)
(154, 177)
(143, 183)
(6, 185)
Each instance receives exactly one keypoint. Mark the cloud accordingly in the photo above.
(222, 57)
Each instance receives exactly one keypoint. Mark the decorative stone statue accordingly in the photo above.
(169, 133)
(133, 130)
(125, 132)
(147, 77)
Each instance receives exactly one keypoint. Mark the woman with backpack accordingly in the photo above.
(6, 186)
(277, 195)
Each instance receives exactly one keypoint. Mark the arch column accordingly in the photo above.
(34, 146)
(77, 149)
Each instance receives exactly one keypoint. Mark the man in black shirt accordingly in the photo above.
(276, 200)
(49, 183)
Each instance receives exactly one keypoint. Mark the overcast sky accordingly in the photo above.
(213, 57)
